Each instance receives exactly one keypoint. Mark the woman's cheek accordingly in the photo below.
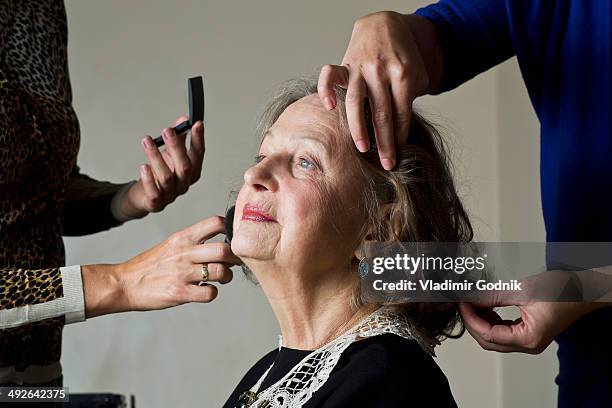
(310, 202)
(320, 211)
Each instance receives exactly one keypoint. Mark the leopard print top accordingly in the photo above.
(39, 141)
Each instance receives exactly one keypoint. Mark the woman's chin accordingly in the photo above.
(249, 248)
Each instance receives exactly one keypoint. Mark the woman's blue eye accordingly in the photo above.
(309, 164)
(302, 162)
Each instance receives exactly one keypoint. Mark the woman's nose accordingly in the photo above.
(260, 177)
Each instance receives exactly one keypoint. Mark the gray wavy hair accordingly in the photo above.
(420, 191)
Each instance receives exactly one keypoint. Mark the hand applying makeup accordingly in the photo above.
(168, 174)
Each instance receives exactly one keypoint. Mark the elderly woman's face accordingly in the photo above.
(299, 206)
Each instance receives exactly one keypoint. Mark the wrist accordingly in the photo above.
(122, 206)
(103, 290)
(426, 38)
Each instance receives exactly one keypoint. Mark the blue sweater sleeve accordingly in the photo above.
(474, 36)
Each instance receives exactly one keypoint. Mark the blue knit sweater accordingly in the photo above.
(564, 49)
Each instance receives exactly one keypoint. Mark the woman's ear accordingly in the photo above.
(361, 250)
(387, 219)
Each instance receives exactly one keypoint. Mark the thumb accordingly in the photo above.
(180, 119)
(489, 328)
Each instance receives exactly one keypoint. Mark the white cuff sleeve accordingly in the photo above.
(71, 305)
(74, 299)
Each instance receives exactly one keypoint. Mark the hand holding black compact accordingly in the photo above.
(195, 89)
(170, 171)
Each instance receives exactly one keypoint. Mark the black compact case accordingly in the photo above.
(229, 223)
(195, 90)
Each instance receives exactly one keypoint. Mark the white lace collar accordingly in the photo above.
(306, 377)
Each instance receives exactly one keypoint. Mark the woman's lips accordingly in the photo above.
(253, 213)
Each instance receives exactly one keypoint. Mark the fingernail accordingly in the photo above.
(362, 146)
(147, 142)
(328, 103)
(387, 164)
(143, 171)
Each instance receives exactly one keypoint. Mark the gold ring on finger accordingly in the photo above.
(204, 272)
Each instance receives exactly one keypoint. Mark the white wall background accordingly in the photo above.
(129, 62)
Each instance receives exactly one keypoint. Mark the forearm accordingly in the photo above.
(596, 284)
(426, 38)
(473, 36)
(86, 216)
(592, 287)
(75, 292)
(93, 205)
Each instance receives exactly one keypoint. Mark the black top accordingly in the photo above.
(382, 371)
